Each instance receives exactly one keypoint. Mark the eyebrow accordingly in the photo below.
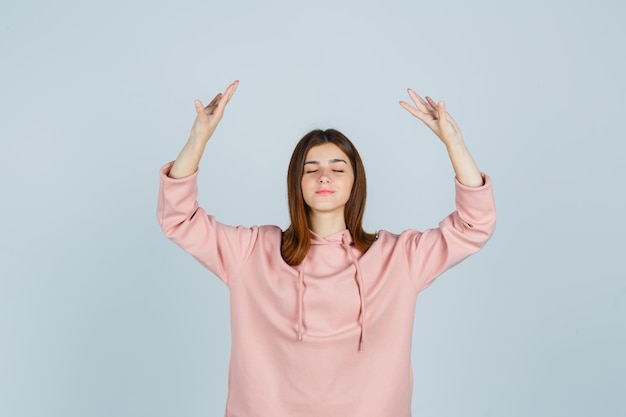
(332, 161)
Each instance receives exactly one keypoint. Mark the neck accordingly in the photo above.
(326, 224)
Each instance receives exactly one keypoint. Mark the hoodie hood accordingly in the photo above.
(327, 256)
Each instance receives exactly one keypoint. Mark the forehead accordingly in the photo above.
(325, 153)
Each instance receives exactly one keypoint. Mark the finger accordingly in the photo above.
(214, 102)
(419, 101)
(431, 103)
(415, 97)
(230, 90)
(426, 118)
(415, 112)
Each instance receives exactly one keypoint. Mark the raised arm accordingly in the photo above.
(220, 248)
(435, 116)
(207, 119)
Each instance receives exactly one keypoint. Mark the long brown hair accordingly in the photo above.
(296, 239)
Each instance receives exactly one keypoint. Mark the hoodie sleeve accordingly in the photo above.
(459, 235)
(220, 248)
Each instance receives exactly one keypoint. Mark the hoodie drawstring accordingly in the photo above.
(301, 301)
(359, 281)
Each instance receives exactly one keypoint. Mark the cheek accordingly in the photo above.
(307, 188)
(347, 189)
(305, 185)
(350, 184)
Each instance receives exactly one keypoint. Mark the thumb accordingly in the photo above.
(199, 106)
(441, 116)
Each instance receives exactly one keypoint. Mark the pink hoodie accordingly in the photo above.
(332, 336)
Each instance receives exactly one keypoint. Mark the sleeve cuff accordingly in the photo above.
(486, 183)
(475, 199)
(165, 171)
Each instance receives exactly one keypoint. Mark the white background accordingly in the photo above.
(100, 315)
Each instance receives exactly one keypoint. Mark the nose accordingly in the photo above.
(324, 178)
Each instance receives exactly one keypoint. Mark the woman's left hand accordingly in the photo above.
(435, 116)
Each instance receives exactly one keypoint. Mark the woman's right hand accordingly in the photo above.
(207, 118)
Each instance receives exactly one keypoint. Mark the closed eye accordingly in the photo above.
(310, 171)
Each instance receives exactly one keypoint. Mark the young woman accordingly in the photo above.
(322, 313)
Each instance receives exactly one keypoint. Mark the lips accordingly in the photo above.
(324, 192)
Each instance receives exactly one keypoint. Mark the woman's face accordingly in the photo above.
(327, 179)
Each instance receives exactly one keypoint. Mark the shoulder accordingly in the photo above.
(267, 236)
(386, 240)
(385, 236)
(270, 235)
(252, 237)
(269, 230)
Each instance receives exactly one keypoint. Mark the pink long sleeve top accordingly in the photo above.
(332, 336)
